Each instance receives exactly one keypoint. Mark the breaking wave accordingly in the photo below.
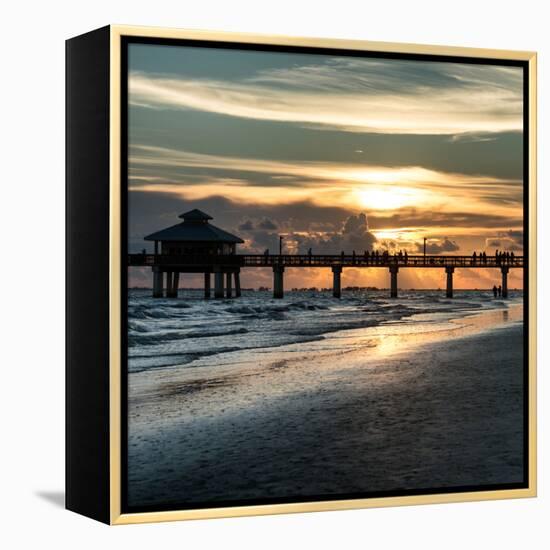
(166, 333)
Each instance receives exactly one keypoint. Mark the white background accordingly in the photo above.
(32, 274)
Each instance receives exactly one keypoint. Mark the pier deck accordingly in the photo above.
(321, 260)
(230, 266)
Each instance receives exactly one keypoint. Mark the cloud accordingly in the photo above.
(246, 226)
(356, 224)
(510, 240)
(438, 246)
(353, 235)
(151, 211)
(354, 95)
(259, 235)
(351, 185)
(267, 225)
(422, 218)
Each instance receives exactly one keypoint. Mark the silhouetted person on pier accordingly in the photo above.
(377, 256)
(342, 255)
(353, 257)
(512, 257)
(474, 256)
(495, 290)
(499, 290)
(406, 257)
(366, 257)
(484, 258)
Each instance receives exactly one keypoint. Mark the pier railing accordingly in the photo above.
(324, 260)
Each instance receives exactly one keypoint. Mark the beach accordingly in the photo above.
(412, 394)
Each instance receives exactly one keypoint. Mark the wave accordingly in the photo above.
(177, 359)
(159, 338)
(171, 359)
(165, 333)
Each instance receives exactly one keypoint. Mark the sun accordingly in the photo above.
(388, 197)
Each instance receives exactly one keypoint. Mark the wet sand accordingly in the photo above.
(361, 411)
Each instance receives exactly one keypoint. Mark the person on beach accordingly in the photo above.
(495, 290)
(499, 290)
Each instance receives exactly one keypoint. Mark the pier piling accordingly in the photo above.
(278, 282)
(157, 283)
(449, 270)
(337, 281)
(504, 270)
(218, 284)
(228, 287)
(393, 276)
(168, 284)
(175, 284)
(207, 285)
(237, 284)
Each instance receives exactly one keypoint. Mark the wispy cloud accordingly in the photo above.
(357, 186)
(353, 95)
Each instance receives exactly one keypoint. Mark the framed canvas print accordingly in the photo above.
(300, 274)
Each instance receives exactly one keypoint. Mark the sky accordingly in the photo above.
(335, 153)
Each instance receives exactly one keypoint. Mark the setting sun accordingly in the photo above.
(388, 198)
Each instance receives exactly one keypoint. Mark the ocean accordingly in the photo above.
(190, 331)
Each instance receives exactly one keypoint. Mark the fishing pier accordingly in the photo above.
(196, 246)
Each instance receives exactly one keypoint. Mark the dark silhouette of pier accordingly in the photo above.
(228, 266)
(194, 245)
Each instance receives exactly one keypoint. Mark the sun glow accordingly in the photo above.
(388, 198)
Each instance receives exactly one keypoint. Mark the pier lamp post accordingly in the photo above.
(425, 249)
(281, 237)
